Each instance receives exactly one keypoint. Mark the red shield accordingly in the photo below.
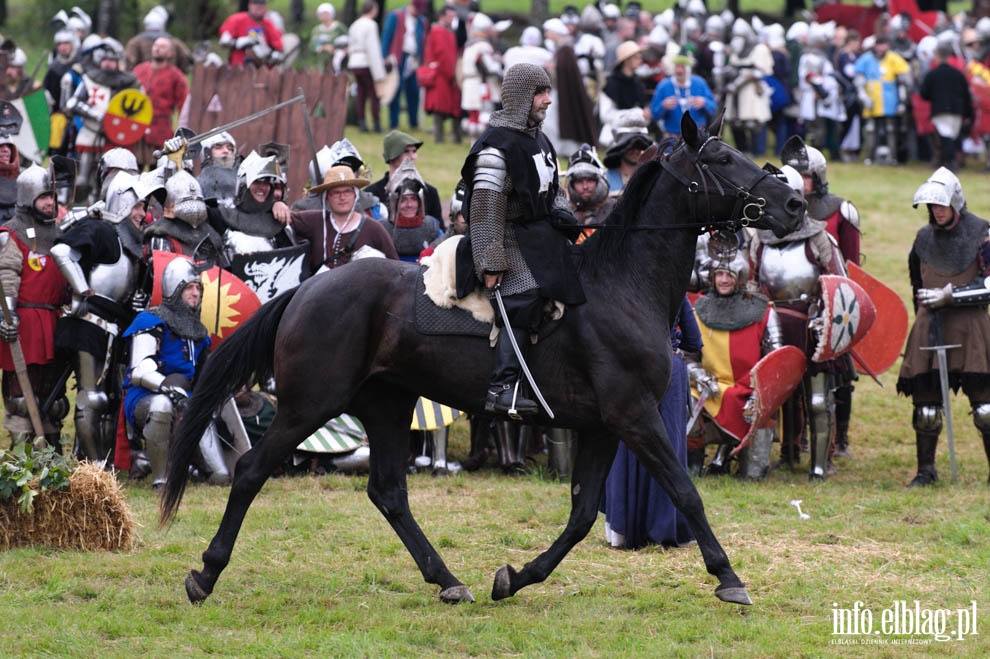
(774, 378)
(227, 301)
(848, 314)
(128, 117)
(880, 348)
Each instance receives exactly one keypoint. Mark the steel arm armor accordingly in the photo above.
(144, 367)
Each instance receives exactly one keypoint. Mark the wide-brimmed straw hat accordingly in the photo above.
(626, 50)
(338, 177)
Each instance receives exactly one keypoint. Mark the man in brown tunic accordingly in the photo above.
(950, 271)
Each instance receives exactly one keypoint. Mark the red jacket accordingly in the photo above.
(441, 50)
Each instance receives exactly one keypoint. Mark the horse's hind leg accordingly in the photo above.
(591, 464)
(386, 413)
(253, 469)
(648, 441)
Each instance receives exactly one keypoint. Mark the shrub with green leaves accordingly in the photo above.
(26, 471)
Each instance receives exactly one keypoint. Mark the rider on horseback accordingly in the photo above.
(515, 208)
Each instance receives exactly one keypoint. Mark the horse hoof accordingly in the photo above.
(502, 587)
(456, 595)
(194, 591)
(735, 595)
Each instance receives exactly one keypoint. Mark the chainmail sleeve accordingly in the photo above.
(488, 211)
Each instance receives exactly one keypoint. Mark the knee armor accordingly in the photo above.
(58, 411)
(16, 406)
(927, 419)
(981, 417)
(92, 400)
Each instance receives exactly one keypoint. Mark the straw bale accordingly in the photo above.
(91, 515)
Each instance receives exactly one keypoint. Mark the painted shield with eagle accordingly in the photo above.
(128, 117)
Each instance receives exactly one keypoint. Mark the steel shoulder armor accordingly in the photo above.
(490, 170)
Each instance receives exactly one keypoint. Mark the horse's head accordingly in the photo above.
(726, 187)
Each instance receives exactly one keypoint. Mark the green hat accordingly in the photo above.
(396, 143)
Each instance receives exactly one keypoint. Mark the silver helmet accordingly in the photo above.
(807, 160)
(185, 196)
(31, 184)
(942, 189)
(178, 274)
(255, 168)
(123, 193)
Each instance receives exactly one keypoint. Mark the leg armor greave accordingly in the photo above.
(211, 449)
(758, 456)
(561, 454)
(157, 433)
(235, 424)
(90, 406)
(439, 457)
(927, 419)
(821, 409)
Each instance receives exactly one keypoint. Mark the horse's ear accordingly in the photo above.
(689, 131)
(715, 126)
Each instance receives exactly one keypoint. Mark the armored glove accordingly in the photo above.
(935, 298)
(704, 380)
(173, 144)
(176, 394)
(242, 43)
(9, 331)
(139, 301)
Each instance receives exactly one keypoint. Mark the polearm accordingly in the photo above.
(228, 126)
(943, 380)
(20, 367)
(312, 142)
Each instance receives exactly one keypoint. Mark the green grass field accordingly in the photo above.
(317, 572)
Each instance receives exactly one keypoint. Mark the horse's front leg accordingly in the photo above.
(388, 438)
(253, 469)
(649, 442)
(595, 452)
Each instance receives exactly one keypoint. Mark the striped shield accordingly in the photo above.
(432, 416)
(340, 435)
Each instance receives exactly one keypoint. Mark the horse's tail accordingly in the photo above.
(244, 358)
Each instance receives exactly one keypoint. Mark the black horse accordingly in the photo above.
(346, 342)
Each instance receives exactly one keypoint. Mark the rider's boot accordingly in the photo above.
(504, 395)
(925, 445)
(507, 437)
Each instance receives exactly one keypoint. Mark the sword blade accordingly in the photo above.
(696, 412)
(515, 347)
(943, 380)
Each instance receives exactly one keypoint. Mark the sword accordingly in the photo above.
(20, 368)
(515, 347)
(219, 129)
(943, 380)
(696, 412)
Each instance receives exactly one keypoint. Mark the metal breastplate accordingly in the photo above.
(786, 272)
(238, 242)
(113, 280)
(218, 182)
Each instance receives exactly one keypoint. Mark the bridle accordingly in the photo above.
(748, 208)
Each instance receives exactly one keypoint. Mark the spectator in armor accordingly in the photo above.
(398, 147)
(218, 175)
(411, 230)
(481, 71)
(587, 189)
(366, 64)
(882, 78)
(342, 234)
(168, 90)
(341, 153)
(818, 92)
(624, 92)
(168, 345)
(747, 95)
(842, 221)
(684, 92)
(403, 38)
(443, 97)
(35, 290)
(739, 328)
(185, 228)
(103, 276)
(788, 270)
(10, 169)
(257, 222)
(946, 88)
(325, 33)
(90, 100)
(141, 47)
(59, 62)
(251, 37)
(948, 265)
(18, 84)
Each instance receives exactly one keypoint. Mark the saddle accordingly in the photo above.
(438, 311)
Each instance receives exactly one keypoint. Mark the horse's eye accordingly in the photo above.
(724, 160)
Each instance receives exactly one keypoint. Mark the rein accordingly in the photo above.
(748, 208)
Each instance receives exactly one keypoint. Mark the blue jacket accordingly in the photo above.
(670, 120)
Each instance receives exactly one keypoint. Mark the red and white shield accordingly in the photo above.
(848, 313)
(128, 117)
(882, 345)
(774, 378)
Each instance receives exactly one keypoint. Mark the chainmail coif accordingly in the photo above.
(519, 86)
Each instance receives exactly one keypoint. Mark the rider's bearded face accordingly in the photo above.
(541, 102)
(46, 205)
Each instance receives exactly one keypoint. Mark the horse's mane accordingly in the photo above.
(607, 245)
